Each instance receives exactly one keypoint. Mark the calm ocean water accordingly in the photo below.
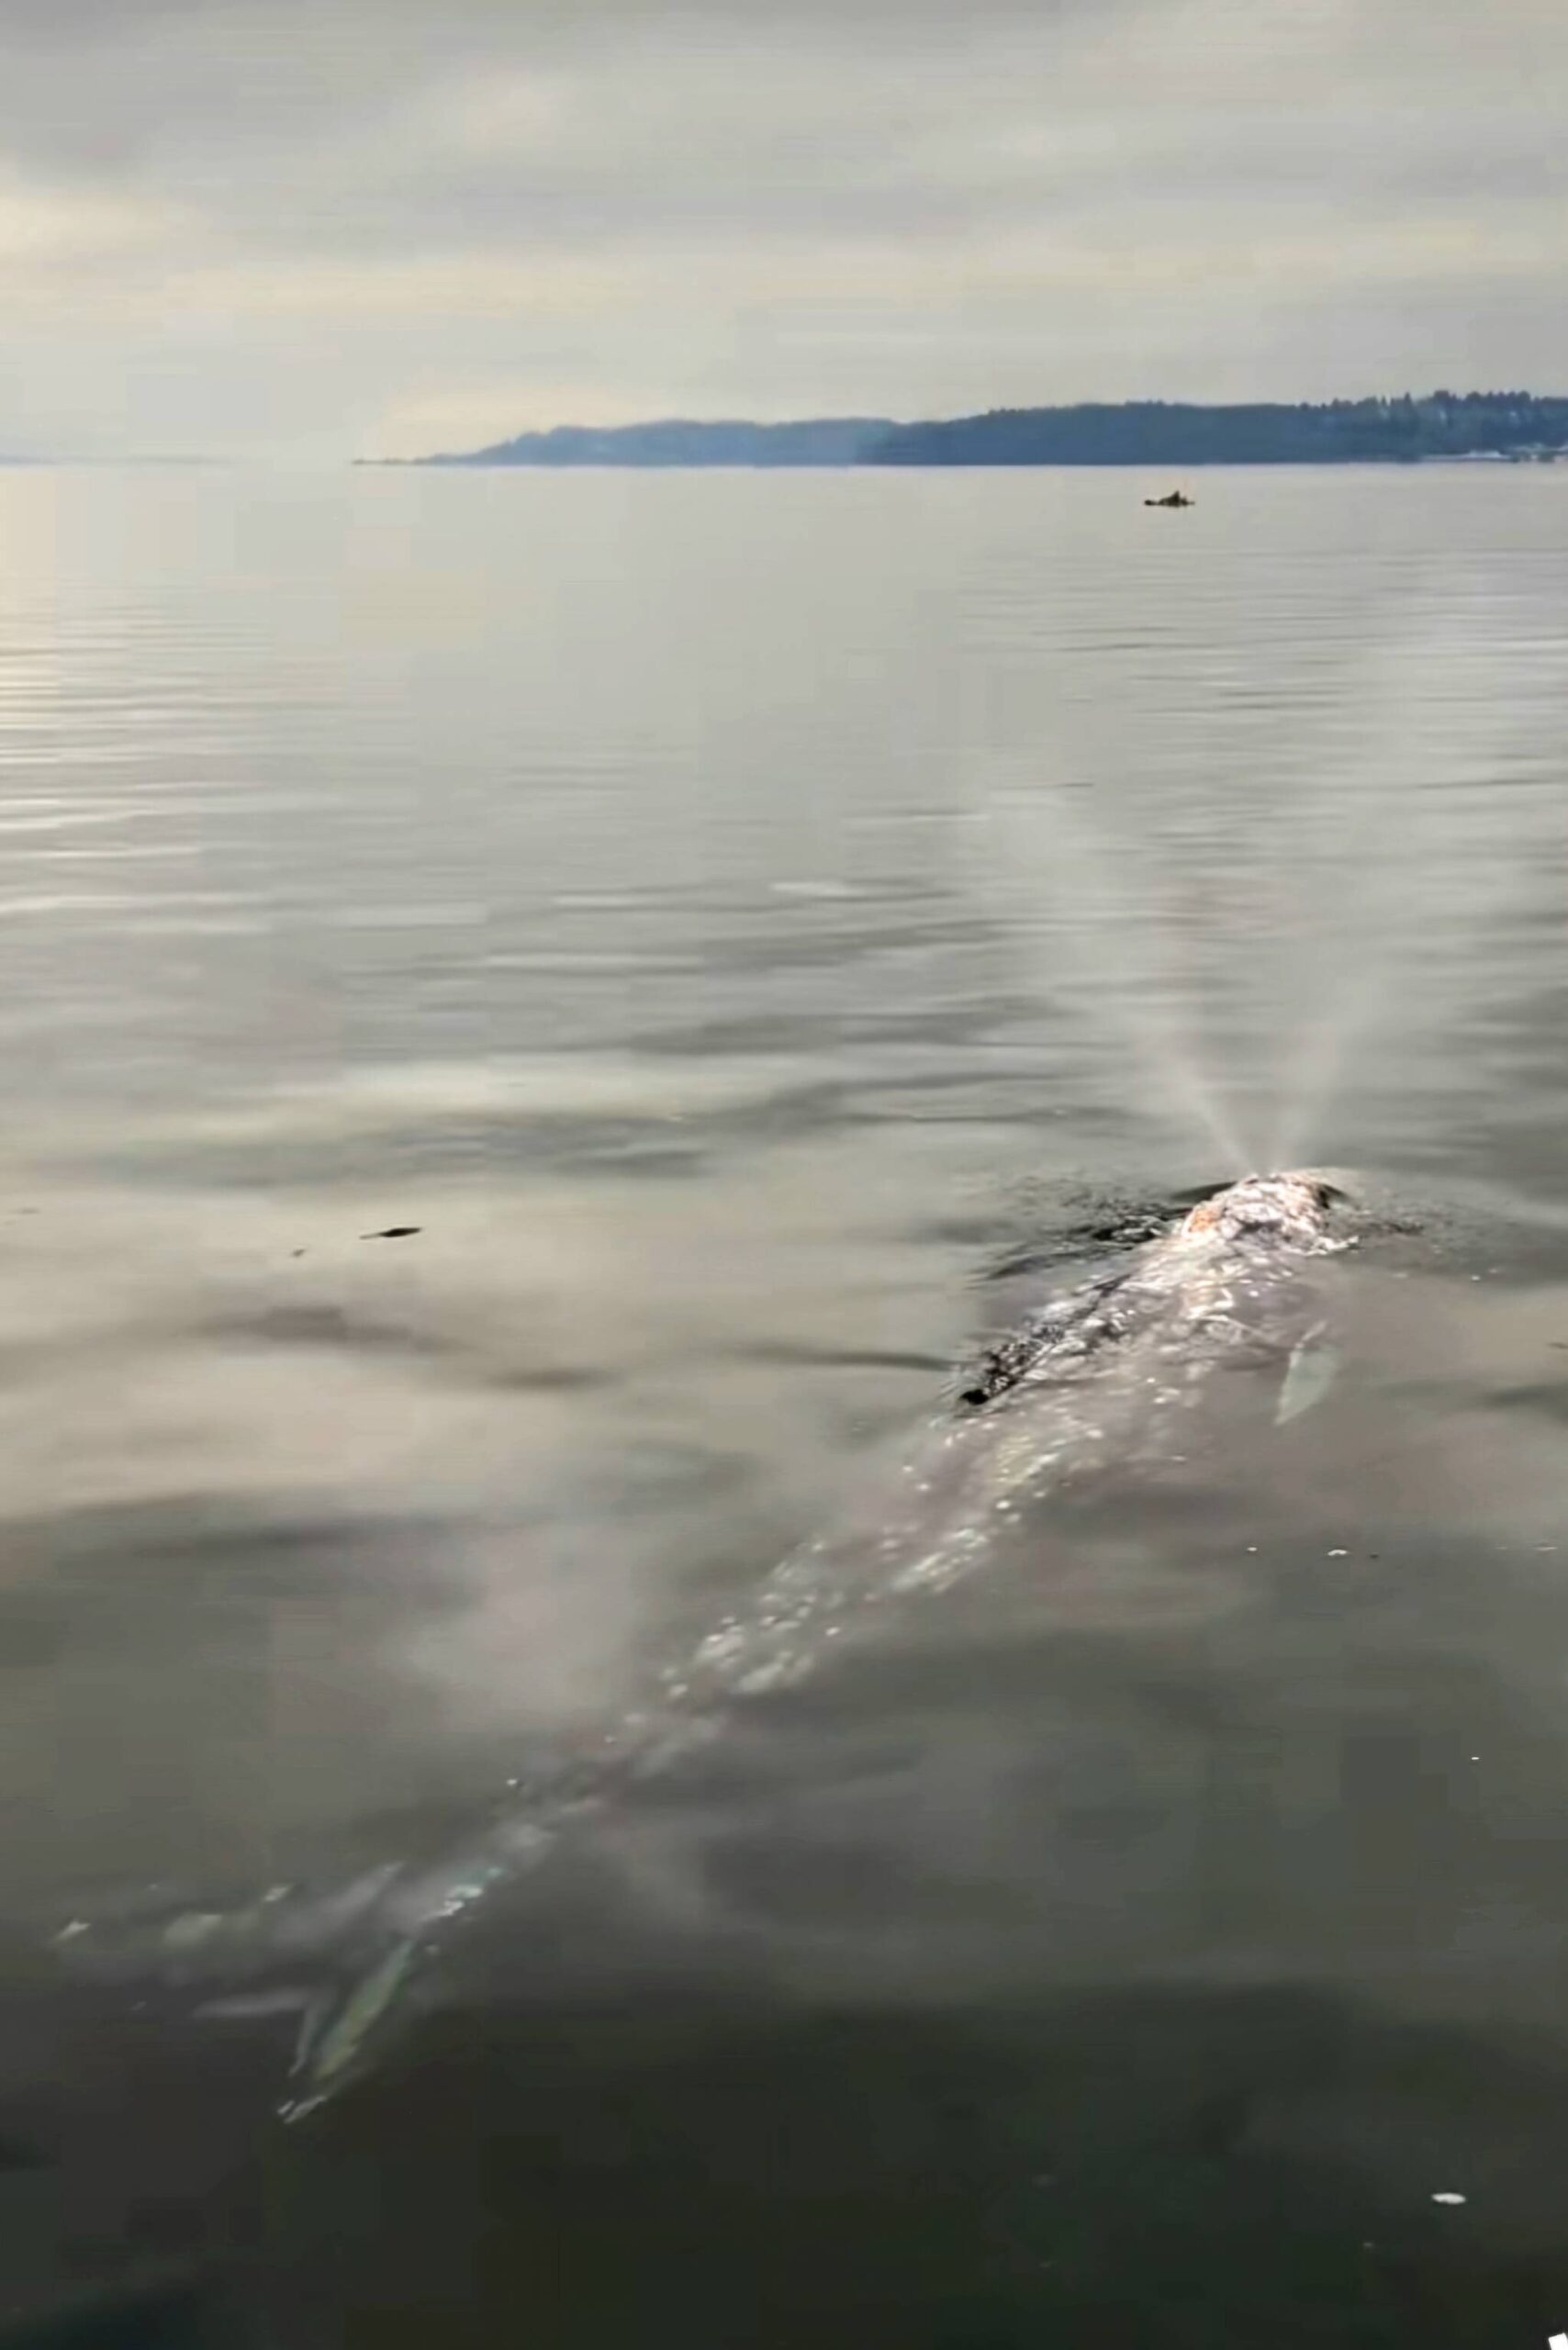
(740, 922)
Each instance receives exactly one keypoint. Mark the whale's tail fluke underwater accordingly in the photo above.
(1103, 1381)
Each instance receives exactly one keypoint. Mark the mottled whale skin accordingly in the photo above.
(1102, 1383)
(1227, 1267)
(1097, 1380)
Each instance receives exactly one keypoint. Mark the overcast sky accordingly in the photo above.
(328, 228)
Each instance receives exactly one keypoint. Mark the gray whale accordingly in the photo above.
(1101, 1382)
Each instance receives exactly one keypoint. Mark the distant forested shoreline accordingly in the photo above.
(1140, 433)
(1405, 430)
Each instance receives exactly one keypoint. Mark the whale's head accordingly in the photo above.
(1290, 1208)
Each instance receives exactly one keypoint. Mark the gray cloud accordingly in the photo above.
(385, 223)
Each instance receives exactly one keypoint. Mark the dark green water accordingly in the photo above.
(731, 917)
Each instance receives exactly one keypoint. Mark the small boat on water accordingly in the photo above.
(1176, 498)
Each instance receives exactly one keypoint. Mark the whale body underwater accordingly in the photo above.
(1104, 1380)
